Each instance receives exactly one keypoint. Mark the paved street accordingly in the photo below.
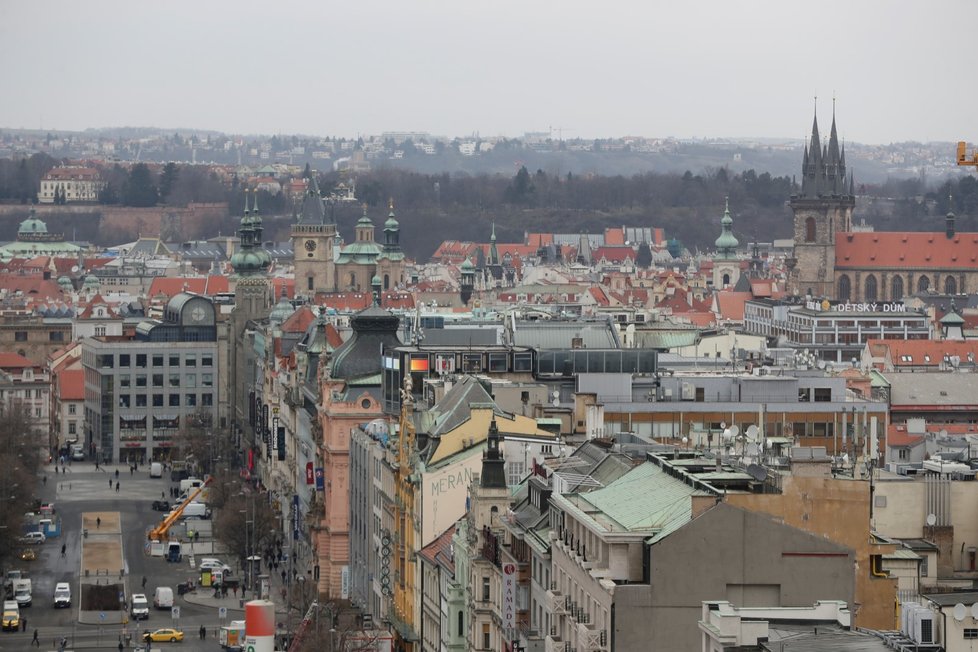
(81, 489)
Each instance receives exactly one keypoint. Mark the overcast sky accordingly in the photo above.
(900, 69)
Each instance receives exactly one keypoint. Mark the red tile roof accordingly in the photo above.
(613, 254)
(926, 250)
(298, 322)
(898, 437)
(614, 237)
(730, 304)
(440, 550)
(14, 361)
(925, 352)
(72, 384)
(31, 285)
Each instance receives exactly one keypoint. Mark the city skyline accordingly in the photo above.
(493, 69)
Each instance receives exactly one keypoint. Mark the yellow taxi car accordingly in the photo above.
(28, 554)
(161, 635)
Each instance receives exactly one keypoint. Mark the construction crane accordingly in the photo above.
(963, 158)
(160, 532)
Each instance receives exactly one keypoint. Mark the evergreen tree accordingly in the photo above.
(167, 179)
(139, 189)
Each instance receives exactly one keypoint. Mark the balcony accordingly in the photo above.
(589, 639)
(557, 603)
(553, 643)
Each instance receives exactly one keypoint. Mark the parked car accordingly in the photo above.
(214, 564)
(166, 634)
(161, 505)
(33, 538)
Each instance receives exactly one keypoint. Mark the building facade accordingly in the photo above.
(70, 184)
(140, 392)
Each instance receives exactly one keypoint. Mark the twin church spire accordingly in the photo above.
(824, 166)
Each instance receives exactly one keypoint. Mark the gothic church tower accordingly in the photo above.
(822, 211)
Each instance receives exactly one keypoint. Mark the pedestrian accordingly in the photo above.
(121, 646)
(63, 644)
(23, 624)
(203, 632)
(64, 548)
(144, 581)
(117, 487)
(117, 474)
(234, 589)
(34, 640)
(45, 480)
(283, 576)
(110, 483)
(132, 469)
(163, 495)
(98, 522)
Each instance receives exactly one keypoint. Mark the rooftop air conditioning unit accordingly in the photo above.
(923, 626)
(689, 392)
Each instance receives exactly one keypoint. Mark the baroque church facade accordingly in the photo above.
(324, 264)
(832, 261)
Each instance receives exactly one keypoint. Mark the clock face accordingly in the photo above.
(198, 314)
(310, 245)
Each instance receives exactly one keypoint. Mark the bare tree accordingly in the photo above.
(19, 465)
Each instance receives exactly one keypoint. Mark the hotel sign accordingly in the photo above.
(509, 596)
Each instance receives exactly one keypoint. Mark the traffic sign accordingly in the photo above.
(175, 612)
(222, 612)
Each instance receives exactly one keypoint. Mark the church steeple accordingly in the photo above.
(493, 465)
(824, 166)
(727, 243)
(493, 253)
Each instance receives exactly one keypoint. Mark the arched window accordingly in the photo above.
(896, 294)
(353, 280)
(845, 288)
(870, 288)
(309, 281)
(950, 285)
(387, 281)
(726, 280)
(923, 283)
(810, 229)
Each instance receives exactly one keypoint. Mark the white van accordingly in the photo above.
(140, 606)
(62, 595)
(156, 470)
(196, 510)
(189, 484)
(163, 598)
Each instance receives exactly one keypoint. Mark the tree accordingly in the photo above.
(195, 440)
(20, 462)
(167, 179)
(139, 189)
(246, 524)
(643, 258)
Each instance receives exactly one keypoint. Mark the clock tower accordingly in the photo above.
(313, 235)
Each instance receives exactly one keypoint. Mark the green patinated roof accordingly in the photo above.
(877, 379)
(665, 339)
(390, 255)
(359, 252)
(645, 498)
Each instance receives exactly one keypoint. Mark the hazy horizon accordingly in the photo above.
(691, 71)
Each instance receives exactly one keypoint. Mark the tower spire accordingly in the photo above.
(246, 211)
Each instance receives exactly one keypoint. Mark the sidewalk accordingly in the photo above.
(204, 597)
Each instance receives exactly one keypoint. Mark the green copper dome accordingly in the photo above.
(91, 281)
(65, 283)
(726, 244)
(32, 225)
(467, 266)
(282, 310)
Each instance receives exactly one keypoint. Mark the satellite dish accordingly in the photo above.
(734, 431)
(960, 611)
(753, 450)
(685, 440)
(723, 425)
(752, 433)
(931, 520)
(974, 611)
(845, 458)
(757, 472)
(74, 269)
(727, 436)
